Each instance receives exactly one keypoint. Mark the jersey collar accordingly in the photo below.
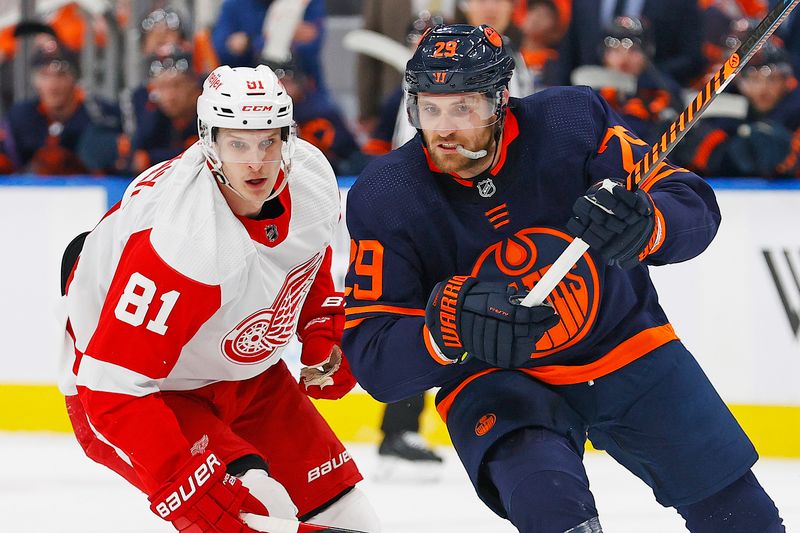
(271, 231)
(510, 133)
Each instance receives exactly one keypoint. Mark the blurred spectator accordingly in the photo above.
(628, 48)
(42, 135)
(497, 14)
(765, 143)
(542, 31)
(392, 128)
(378, 81)
(166, 28)
(723, 33)
(320, 122)
(167, 124)
(676, 27)
(239, 39)
(789, 32)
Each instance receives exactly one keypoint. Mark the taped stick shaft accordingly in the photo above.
(648, 165)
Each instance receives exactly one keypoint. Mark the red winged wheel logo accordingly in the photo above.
(257, 337)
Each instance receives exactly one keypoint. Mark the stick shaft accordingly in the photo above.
(648, 165)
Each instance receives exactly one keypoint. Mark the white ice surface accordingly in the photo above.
(47, 485)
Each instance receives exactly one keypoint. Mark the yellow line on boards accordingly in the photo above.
(775, 430)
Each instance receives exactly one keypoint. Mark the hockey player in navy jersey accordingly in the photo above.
(453, 228)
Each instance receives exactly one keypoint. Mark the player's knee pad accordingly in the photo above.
(541, 482)
(269, 492)
(741, 507)
(351, 511)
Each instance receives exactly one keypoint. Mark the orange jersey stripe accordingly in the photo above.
(626, 352)
(353, 323)
(443, 407)
(387, 309)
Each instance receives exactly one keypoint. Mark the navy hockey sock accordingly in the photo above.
(541, 481)
(741, 507)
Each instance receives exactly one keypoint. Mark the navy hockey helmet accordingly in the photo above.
(460, 58)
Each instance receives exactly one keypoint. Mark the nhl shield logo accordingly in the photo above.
(486, 188)
(272, 232)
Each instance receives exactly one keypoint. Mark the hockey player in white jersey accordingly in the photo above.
(180, 303)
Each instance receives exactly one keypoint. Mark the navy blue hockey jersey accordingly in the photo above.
(412, 226)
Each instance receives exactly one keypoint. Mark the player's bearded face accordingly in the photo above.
(467, 120)
(251, 161)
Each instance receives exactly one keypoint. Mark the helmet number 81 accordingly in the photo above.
(135, 302)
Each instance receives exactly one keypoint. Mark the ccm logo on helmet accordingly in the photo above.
(186, 490)
(256, 108)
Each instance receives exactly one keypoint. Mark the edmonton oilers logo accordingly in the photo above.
(522, 260)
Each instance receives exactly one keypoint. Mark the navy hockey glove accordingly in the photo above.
(617, 223)
(466, 317)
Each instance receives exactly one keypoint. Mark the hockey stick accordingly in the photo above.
(271, 524)
(646, 166)
(378, 46)
(280, 24)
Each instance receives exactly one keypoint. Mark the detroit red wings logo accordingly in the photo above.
(258, 336)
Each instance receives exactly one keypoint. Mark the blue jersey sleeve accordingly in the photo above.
(386, 301)
(687, 214)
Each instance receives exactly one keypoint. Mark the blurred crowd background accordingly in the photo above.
(106, 87)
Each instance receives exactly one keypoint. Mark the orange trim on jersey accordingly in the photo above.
(353, 323)
(625, 352)
(510, 132)
(444, 406)
(658, 236)
(498, 217)
(383, 309)
(492, 210)
(376, 147)
(426, 338)
(501, 224)
(706, 148)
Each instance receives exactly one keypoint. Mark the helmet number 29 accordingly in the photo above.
(445, 48)
(135, 302)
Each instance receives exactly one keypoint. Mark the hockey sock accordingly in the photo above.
(541, 481)
(741, 507)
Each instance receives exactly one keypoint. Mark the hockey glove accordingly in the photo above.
(329, 381)
(325, 373)
(617, 223)
(203, 498)
(466, 317)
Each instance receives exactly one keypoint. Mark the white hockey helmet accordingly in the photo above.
(245, 98)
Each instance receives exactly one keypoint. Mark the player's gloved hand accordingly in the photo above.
(325, 373)
(617, 223)
(330, 380)
(466, 317)
(203, 498)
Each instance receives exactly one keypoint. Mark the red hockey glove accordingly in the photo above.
(203, 498)
(329, 381)
(325, 374)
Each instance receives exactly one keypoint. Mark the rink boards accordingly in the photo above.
(737, 306)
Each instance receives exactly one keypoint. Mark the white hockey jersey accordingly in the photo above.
(172, 291)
